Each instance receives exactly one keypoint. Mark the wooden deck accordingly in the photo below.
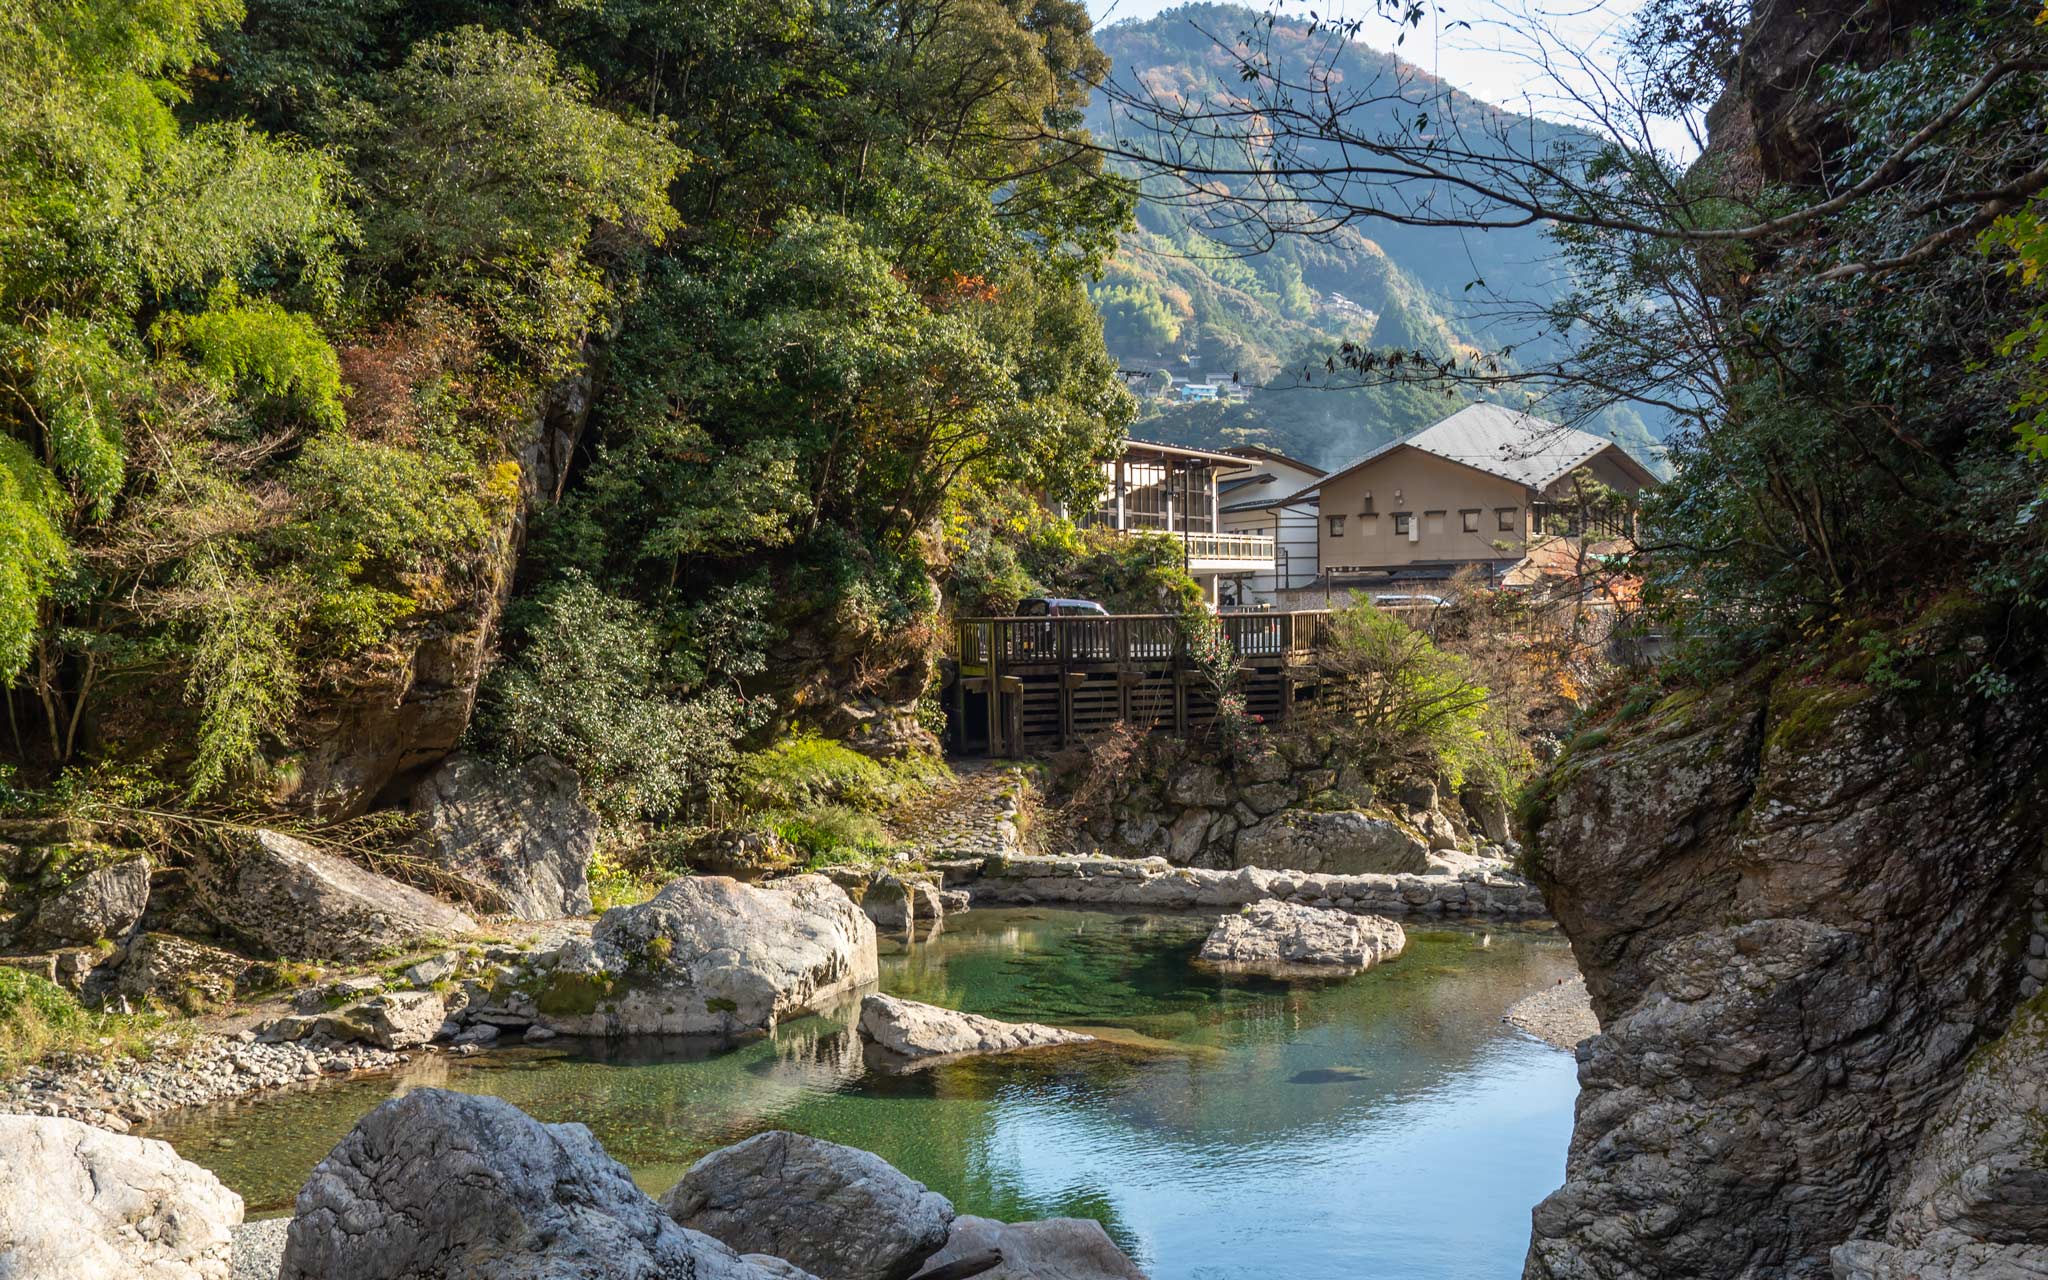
(1028, 684)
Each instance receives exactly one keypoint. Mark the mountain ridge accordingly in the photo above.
(1177, 301)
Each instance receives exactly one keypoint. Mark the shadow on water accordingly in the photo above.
(1383, 1125)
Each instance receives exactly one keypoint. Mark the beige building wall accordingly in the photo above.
(1361, 511)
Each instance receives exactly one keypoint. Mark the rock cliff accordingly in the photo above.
(1801, 906)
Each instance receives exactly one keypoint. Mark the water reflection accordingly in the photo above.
(1384, 1125)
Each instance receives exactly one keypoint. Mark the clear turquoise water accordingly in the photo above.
(1387, 1125)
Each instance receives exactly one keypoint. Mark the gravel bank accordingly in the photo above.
(127, 1093)
(1560, 1016)
(259, 1249)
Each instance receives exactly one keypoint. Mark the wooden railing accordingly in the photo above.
(1127, 640)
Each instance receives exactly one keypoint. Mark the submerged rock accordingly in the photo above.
(78, 1203)
(1282, 937)
(289, 900)
(709, 955)
(522, 831)
(913, 1030)
(837, 1212)
(1052, 1249)
(449, 1186)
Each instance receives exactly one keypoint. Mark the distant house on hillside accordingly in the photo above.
(1163, 488)
(1246, 499)
(1474, 489)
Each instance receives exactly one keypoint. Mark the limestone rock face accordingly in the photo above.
(1794, 903)
(839, 1213)
(910, 1029)
(289, 900)
(449, 1186)
(1975, 1203)
(709, 955)
(1345, 842)
(362, 738)
(79, 1203)
(1281, 937)
(105, 903)
(523, 832)
(1052, 1249)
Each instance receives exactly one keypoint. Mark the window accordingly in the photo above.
(1432, 522)
(1508, 522)
(1336, 526)
(1403, 522)
(1368, 525)
(1470, 520)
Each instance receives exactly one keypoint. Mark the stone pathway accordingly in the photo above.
(971, 817)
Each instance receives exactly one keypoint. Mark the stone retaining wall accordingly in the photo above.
(1275, 806)
(1153, 884)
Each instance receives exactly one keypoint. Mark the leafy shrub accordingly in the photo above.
(805, 771)
(1398, 699)
(589, 684)
(831, 832)
(262, 351)
(32, 550)
(39, 1018)
(1003, 550)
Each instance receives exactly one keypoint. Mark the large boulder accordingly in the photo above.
(910, 1029)
(395, 1020)
(521, 832)
(837, 1212)
(288, 900)
(1052, 1249)
(902, 905)
(1343, 842)
(163, 968)
(449, 1186)
(79, 1203)
(709, 955)
(105, 903)
(1284, 937)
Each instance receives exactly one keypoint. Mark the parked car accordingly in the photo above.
(1393, 600)
(1055, 607)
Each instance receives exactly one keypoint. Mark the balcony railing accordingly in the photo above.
(993, 644)
(1246, 547)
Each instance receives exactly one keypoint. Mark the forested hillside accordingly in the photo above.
(1187, 298)
(313, 315)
